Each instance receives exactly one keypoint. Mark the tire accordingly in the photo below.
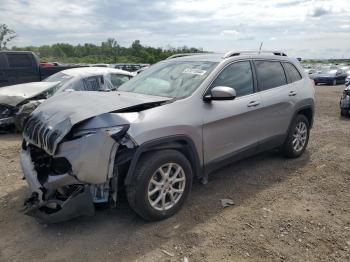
(147, 168)
(289, 149)
(344, 112)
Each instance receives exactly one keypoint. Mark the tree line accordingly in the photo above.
(107, 52)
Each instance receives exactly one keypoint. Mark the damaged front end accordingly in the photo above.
(7, 117)
(68, 181)
(345, 101)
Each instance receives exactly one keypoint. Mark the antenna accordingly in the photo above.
(260, 47)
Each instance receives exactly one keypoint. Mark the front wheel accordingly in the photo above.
(298, 137)
(163, 182)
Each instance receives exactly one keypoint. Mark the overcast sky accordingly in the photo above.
(306, 28)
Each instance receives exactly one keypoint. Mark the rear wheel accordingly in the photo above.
(163, 182)
(298, 137)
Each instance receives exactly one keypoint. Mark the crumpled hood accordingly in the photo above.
(61, 112)
(15, 94)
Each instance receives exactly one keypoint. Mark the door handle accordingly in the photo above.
(292, 93)
(253, 103)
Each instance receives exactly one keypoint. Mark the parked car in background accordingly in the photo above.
(310, 71)
(18, 101)
(18, 67)
(347, 80)
(345, 101)
(131, 67)
(180, 119)
(329, 77)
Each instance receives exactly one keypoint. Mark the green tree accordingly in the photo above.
(6, 35)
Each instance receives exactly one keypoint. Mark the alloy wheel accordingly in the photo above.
(300, 136)
(166, 186)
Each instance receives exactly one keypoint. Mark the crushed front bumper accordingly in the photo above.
(7, 121)
(45, 205)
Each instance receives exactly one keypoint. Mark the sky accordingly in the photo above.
(303, 28)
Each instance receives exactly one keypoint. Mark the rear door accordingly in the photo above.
(279, 98)
(231, 127)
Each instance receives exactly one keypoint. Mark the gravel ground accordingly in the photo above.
(284, 210)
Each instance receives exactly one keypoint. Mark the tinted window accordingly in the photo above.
(292, 72)
(19, 60)
(93, 83)
(238, 76)
(270, 74)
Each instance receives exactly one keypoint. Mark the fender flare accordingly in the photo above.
(170, 142)
(300, 108)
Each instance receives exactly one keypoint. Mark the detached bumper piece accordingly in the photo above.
(59, 209)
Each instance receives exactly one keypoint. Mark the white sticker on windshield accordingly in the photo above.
(194, 71)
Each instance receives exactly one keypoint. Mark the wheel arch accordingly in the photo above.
(182, 143)
(308, 112)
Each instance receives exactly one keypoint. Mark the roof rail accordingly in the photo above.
(237, 53)
(184, 54)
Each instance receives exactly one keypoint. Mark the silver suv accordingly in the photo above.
(176, 121)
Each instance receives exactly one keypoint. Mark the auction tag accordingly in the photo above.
(194, 71)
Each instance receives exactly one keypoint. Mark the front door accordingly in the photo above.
(231, 126)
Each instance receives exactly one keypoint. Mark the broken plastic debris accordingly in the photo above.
(168, 253)
(226, 202)
(266, 209)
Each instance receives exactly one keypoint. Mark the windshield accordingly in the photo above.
(58, 77)
(173, 79)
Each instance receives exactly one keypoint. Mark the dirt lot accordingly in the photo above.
(284, 210)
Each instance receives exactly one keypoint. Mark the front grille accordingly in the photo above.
(41, 135)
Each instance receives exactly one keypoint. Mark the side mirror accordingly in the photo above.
(221, 93)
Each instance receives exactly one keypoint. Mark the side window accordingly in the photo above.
(270, 74)
(238, 76)
(117, 80)
(19, 60)
(292, 72)
(93, 83)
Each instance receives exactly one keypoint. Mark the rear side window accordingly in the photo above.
(19, 60)
(238, 76)
(270, 74)
(292, 73)
(93, 83)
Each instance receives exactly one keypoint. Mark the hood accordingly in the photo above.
(62, 111)
(13, 95)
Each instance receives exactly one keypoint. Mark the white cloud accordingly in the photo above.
(217, 25)
(230, 33)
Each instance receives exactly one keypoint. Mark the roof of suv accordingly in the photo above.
(218, 57)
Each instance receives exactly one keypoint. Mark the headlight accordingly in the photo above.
(114, 132)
